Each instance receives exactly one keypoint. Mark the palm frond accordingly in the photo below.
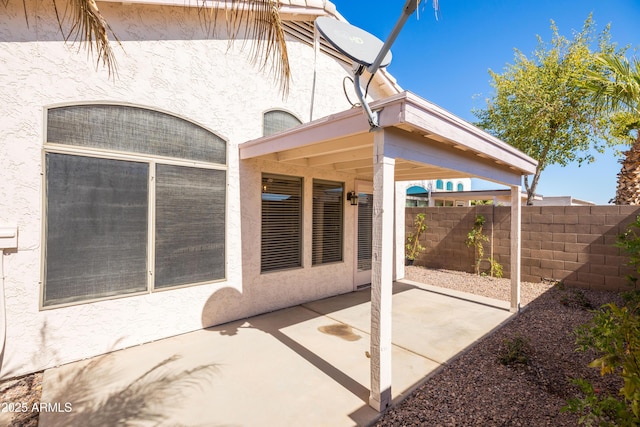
(615, 84)
(88, 26)
(259, 22)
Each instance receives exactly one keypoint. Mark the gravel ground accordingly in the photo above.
(474, 389)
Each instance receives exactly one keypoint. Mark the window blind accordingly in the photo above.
(327, 222)
(281, 222)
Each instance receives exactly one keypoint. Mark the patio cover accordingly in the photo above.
(416, 140)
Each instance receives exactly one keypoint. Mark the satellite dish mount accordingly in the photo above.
(365, 50)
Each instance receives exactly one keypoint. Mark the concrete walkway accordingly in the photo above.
(302, 366)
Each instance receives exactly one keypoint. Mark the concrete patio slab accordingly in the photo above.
(305, 365)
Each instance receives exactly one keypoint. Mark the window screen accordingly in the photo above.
(133, 129)
(277, 121)
(96, 244)
(327, 222)
(97, 241)
(281, 222)
(190, 225)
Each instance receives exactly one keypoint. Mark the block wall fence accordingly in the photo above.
(573, 244)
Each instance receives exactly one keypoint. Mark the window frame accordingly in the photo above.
(301, 205)
(152, 161)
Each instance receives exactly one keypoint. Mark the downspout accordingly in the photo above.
(316, 48)
(8, 242)
(3, 313)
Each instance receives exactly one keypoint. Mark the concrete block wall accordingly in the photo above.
(574, 244)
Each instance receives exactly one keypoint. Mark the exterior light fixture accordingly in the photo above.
(352, 197)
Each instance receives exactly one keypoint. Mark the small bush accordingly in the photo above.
(413, 246)
(614, 333)
(576, 298)
(515, 351)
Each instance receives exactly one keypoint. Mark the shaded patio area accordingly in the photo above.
(305, 365)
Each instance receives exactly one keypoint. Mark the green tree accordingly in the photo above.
(81, 20)
(538, 107)
(616, 90)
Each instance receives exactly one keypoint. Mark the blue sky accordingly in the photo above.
(447, 60)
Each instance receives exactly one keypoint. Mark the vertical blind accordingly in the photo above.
(281, 222)
(327, 222)
(365, 230)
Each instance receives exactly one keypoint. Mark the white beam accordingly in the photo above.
(409, 146)
(381, 274)
(516, 212)
(346, 156)
(399, 228)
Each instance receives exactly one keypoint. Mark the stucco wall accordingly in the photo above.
(168, 63)
(573, 244)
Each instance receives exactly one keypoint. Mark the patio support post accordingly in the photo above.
(381, 274)
(516, 224)
(399, 228)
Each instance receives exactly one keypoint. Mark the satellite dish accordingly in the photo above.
(353, 42)
(364, 49)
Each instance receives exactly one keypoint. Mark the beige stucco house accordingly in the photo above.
(186, 192)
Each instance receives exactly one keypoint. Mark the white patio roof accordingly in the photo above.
(426, 141)
(416, 140)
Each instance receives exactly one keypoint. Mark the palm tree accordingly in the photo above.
(616, 88)
(260, 18)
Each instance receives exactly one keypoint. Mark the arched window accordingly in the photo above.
(137, 215)
(460, 187)
(439, 185)
(449, 186)
(276, 121)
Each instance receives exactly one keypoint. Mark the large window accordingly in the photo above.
(135, 201)
(281, 245)
(327, 222)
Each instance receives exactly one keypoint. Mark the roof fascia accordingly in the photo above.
(432, 119)
(287, 11)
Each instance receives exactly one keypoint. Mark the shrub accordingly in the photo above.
(614, 333)
(413, 246)
(476, 239)
(515, 351)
